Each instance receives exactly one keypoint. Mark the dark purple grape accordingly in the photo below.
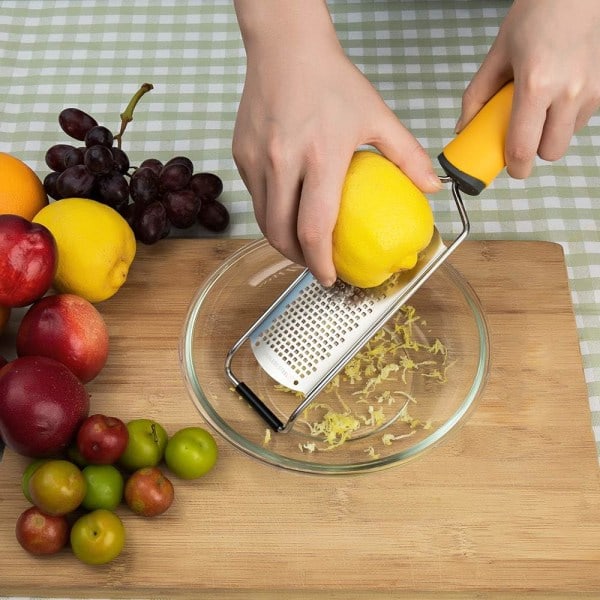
(98, 160)
(50, 185)
(99, 136)
(150, 224)
(152, 163)
(113, 189)
(181, 160)
(182, 208)
(143, 186)
(174, 177)
(75, 122)
(75, 181)
(61, 156)
(128, 212)
(120, 160)
(213, 215)
(206, 185)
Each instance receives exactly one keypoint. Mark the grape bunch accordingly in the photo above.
(152, 197)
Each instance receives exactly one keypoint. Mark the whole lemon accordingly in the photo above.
(95, 247)
(383, 223)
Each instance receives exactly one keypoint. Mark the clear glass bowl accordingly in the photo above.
(427, 393)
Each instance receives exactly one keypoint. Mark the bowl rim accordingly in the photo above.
(264, 454)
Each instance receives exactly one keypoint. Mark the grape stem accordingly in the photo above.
(127, 114)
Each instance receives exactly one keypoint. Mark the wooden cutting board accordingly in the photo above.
(509, 505)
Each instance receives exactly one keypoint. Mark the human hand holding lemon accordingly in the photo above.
(384, 221)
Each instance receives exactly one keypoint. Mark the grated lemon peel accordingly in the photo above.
(392, 355)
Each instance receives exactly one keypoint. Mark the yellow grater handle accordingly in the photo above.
(475, 156)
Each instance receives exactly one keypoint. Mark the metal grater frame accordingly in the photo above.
(309, 333)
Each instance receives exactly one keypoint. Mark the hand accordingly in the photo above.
(305, 108)
(552, 51)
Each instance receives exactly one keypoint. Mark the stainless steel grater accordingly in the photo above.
(310, 333)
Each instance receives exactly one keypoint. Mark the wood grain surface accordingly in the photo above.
(509, 505)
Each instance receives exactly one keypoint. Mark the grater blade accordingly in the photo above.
(310, 333)
(313, 328)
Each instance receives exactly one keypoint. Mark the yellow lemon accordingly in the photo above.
(383, 223)
(95, 247)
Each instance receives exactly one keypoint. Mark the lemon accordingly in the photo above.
(95, 247)
(383, 223)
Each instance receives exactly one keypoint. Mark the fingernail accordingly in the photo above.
(459, 124)
(435, 182)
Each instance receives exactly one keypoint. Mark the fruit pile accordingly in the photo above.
(75, 498)
(84, 466)
(152, 197)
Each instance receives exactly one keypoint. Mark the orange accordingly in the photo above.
(4, 315)
(21, 191)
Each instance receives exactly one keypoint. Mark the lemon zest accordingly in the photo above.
(267, 437)
(371, 452)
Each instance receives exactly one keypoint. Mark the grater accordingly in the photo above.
(308, 334)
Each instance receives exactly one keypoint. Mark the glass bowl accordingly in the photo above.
(398, 404)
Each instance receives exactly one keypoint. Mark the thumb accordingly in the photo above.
(493, 73)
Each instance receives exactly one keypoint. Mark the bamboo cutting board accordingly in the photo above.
(509, 505)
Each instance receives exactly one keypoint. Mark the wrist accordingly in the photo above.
(271, 26)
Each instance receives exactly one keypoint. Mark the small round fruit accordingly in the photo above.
(31, 468)
(21, 191)
(104, 487)
(42, 405)
(28, 260)
(148, 492)
(146, 446)
(69, 329)
(98, 537)
(57, 487)
(41, 534)
(101, 439)
(95, 247)
(191, 452)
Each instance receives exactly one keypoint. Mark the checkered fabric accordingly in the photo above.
(420, 54)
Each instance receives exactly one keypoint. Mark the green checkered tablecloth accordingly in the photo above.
(420, 54)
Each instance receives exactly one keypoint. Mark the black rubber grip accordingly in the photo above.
(259, 406)
(466, 183)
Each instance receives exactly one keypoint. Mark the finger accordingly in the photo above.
(399, 145)
(524, 131)
(493, 73)
(317, 215)
(558, 131)
(281, 213)
(586, 112)
(255, 183)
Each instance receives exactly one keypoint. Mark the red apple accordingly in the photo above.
(28, 260)
(39, 533)
(101, 440)
(148, 492)
(69, 329)
(41, 406)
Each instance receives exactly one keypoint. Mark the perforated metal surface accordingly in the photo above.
(312, 328)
